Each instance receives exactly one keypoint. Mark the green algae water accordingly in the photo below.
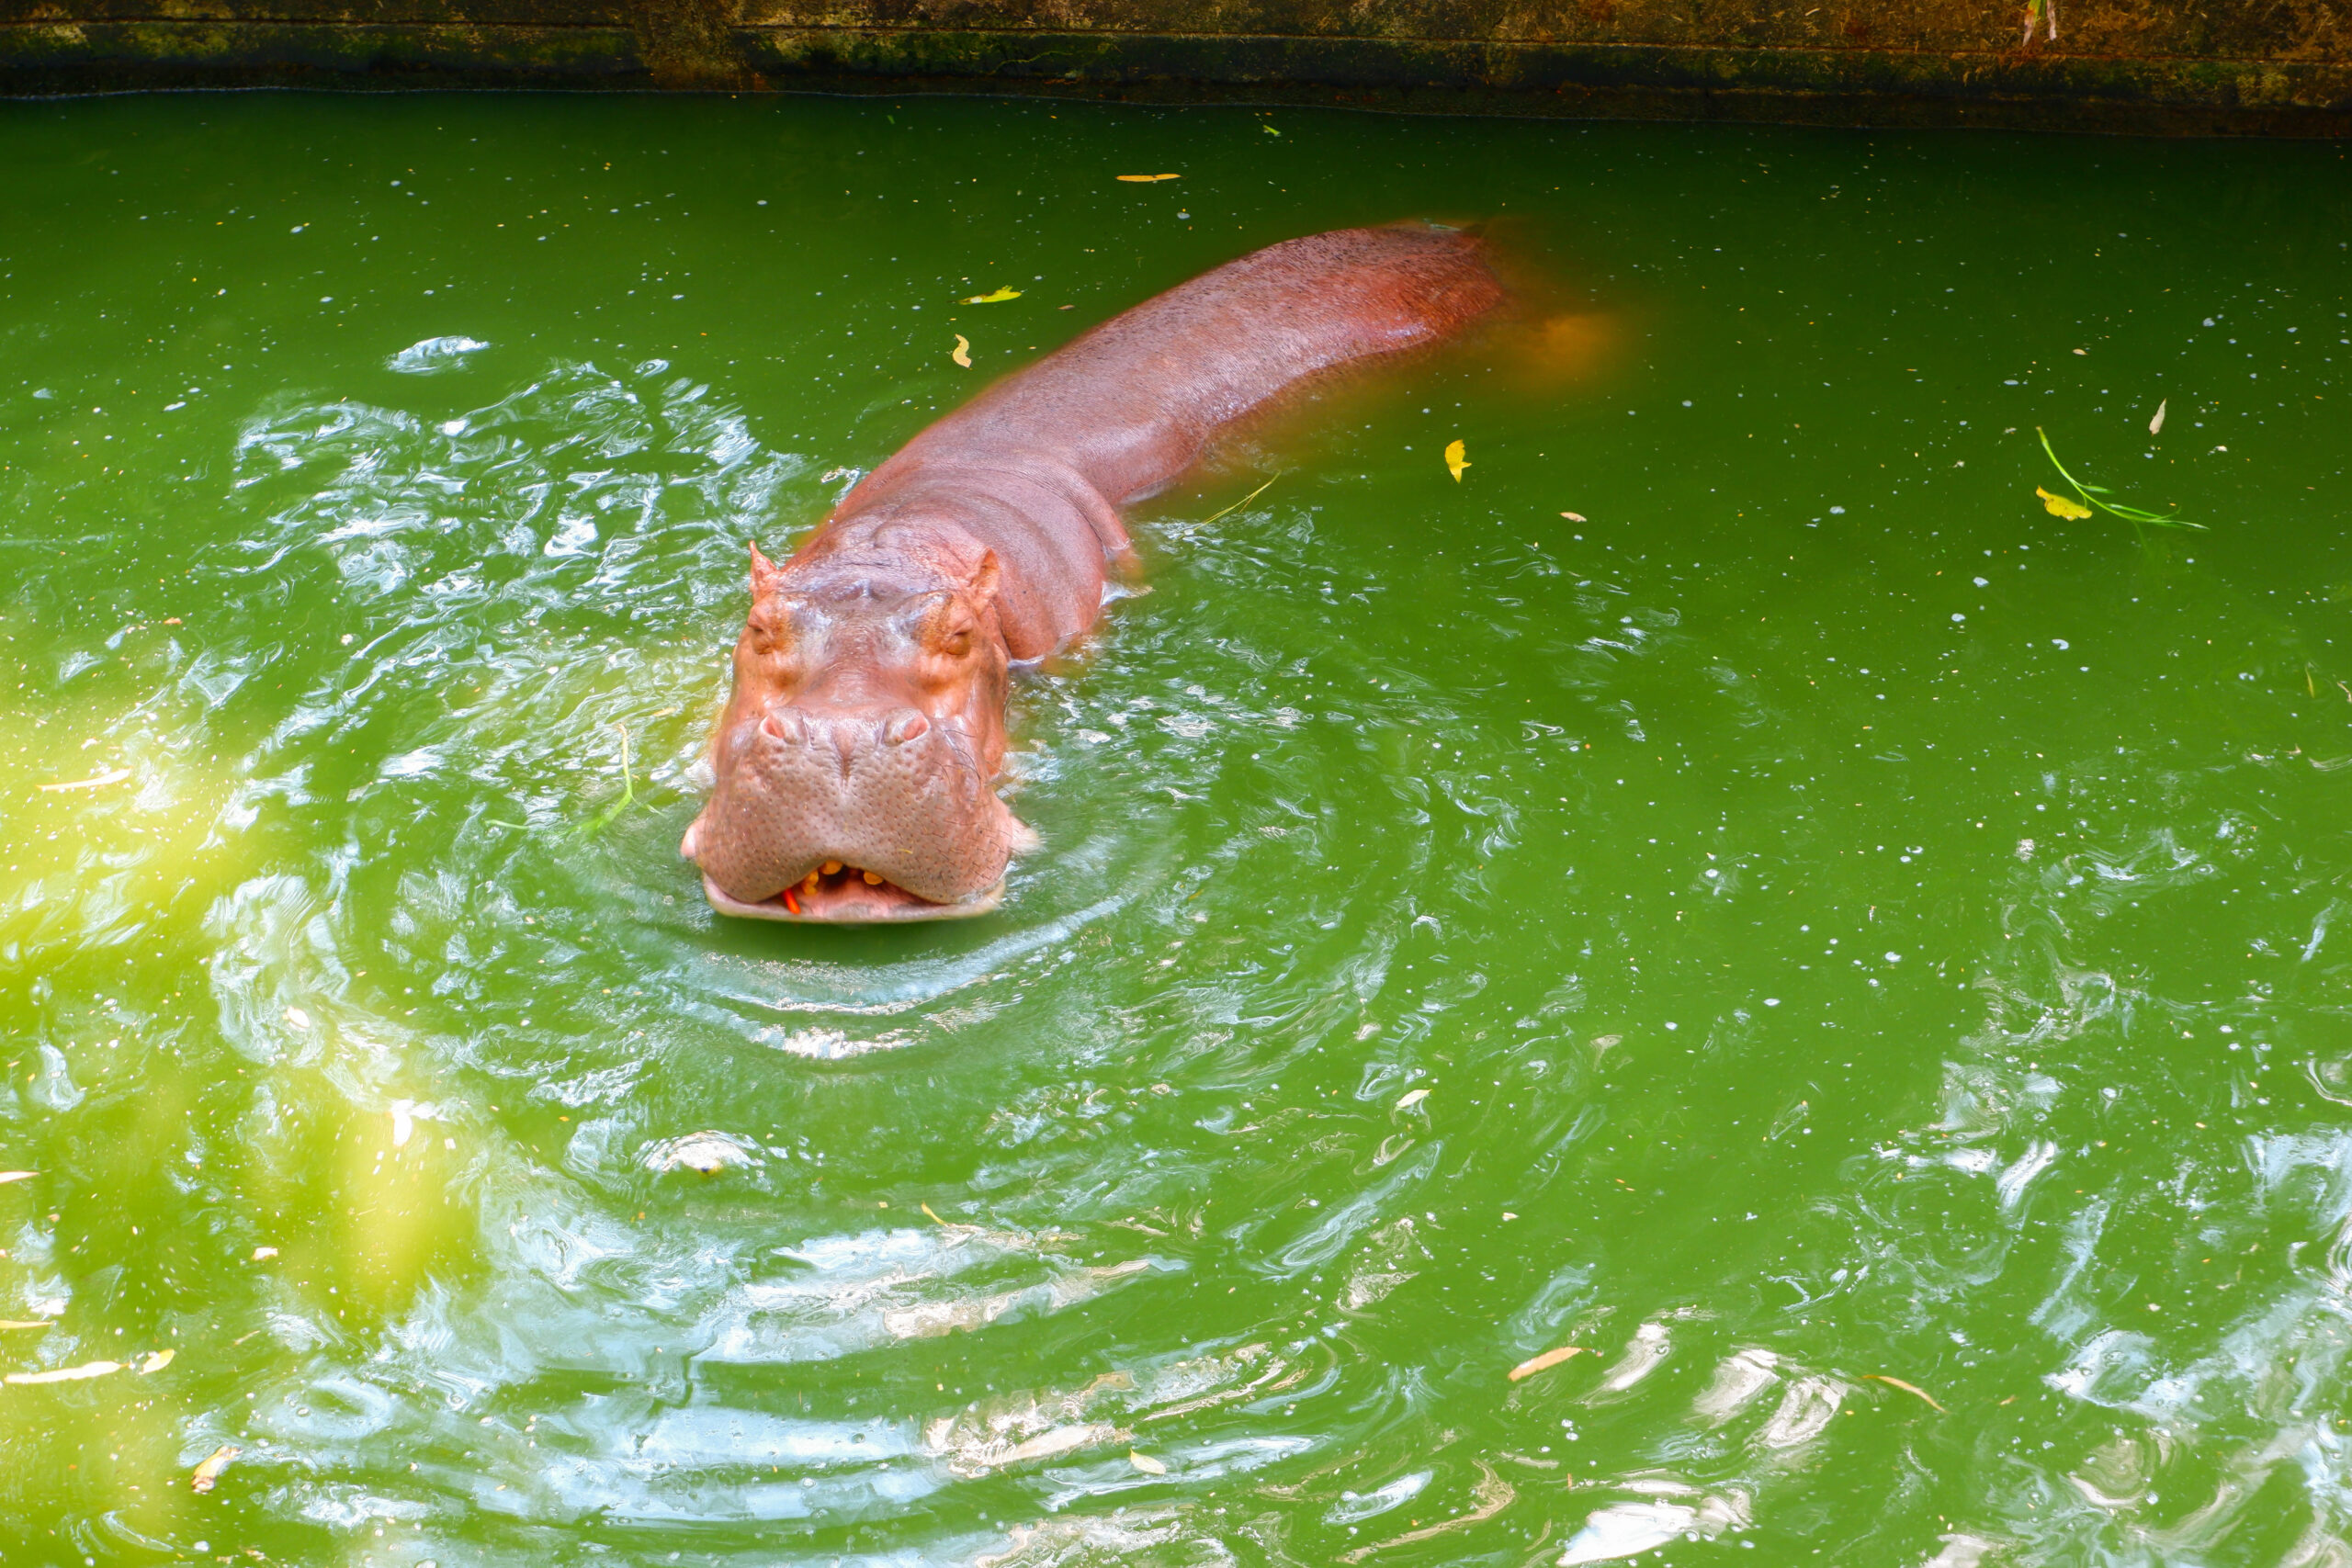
(1731, 887)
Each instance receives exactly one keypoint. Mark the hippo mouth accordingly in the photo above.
(846, 894)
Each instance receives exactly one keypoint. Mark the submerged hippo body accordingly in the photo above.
(856, 760)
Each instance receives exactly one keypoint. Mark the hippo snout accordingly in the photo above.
(852, 814)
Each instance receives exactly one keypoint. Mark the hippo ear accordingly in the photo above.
(764, 575)
(981, 589)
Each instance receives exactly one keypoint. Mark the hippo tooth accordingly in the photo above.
(832, 866)
(871, 879)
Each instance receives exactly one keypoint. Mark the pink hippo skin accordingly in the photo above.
(856, 760)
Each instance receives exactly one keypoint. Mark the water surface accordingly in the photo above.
(1859, 959)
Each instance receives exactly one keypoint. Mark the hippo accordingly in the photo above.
(854, 765)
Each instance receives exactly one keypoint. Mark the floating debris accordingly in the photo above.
(1239, 504)
(208, 1475)
(2089, 493)
(962, 352)
(1146, 179)
(628, 788)
(113, 775)
(67, 1374)
(1492, 1493)
(2059, 506)
(155, 1361)
(1906, 1387)
(1145, 1464)
(1454, 461)
(999, 298)
(1549, 1359)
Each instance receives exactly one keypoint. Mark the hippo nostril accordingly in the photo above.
(905, 727)
(789, 726)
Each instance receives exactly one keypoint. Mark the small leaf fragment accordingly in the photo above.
(155, 1362)
(1146, 179)
(1573, 516)
(2156, 425)
(1270, 130)
(1907, 1388)
(8, 1323)
(66, 1375)
(934, 1218)
(962, 351)
(1454, 461)
(9, 1176)
(2059, 506)
(208, 1472)
(999, 298)
(1411, 1097)
(262, 1254)
(1145, 1464)
(1535, 1364)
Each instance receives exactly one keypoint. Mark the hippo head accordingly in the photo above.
(853, 762)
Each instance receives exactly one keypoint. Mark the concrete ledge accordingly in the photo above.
(1931, 64)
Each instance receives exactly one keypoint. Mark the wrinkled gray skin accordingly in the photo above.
(855, 762)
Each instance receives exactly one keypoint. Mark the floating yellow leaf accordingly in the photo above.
(1573, 516)
(155, 1362)
(210, 1471)
(1146, 179)
(999, 298)
(7, 1323)
(935, 1218)
(1535, 1364)
(9, 1176)
(2059, 506)
(2156, 425)
(1454, 461)
(1907, 1388)
(1270, 130)
(1411, 1097)
(963, 355)
(67, 1374)
(1145, 1464)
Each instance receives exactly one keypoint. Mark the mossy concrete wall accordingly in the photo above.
(2274, 67)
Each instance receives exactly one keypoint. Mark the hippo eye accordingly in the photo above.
(768, 631)
(945, 627)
